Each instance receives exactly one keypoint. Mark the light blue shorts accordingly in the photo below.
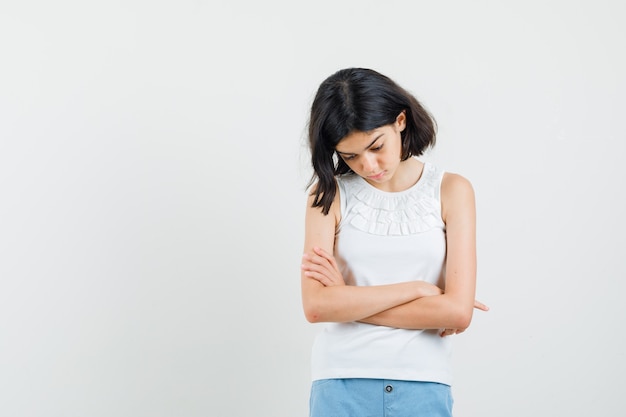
(379, 398)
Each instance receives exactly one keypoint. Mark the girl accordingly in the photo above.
(389, 254)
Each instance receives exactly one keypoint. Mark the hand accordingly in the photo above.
(450, 332)
(321, 266)
(480, 306)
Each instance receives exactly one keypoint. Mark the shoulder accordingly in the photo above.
(315, 214)
(455, 183)
(320, 228)
(457, 194)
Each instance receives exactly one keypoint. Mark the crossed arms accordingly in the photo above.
(407, 305)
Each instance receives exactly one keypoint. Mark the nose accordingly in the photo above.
(368, 163)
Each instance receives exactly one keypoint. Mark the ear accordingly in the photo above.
(401, 121)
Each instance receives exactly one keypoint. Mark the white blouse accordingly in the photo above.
(383, 238)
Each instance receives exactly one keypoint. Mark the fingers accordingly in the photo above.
(480, 306)
(323, 279)
(330, 258)
(450, 332)
(313, 270)
(322, 259)
(321, 252)
(320, 268)
(317, 264)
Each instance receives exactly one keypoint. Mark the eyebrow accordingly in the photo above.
(366, 148)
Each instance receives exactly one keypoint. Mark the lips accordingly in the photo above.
(377, 176)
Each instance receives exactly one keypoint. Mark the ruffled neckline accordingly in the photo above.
(401, 213)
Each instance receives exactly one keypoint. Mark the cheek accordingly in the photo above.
(393, 152)
(399, 149)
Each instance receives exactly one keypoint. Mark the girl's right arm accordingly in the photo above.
(344, 303)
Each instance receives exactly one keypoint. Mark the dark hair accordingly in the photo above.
(359, 100)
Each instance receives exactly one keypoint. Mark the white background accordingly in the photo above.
(152, 174)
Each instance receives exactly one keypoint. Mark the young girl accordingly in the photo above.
(389, 254)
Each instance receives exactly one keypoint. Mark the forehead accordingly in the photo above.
(358, 141)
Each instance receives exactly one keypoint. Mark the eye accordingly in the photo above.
(348, 157)
(378, 148)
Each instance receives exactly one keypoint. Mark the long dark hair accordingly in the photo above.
(359, 100)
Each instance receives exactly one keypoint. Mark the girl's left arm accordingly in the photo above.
(453, 309)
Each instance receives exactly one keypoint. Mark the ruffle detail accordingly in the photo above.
(415, 210)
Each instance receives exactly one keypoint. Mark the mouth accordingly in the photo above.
(377, 176)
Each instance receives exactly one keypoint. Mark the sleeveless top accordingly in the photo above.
(383, 238)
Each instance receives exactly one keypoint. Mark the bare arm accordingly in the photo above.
(452, 310)
(340, 302)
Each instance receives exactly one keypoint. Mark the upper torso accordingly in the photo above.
(382, 238)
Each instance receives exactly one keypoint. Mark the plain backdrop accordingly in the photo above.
(153, 166)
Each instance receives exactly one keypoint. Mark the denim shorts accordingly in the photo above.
(360, 397)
